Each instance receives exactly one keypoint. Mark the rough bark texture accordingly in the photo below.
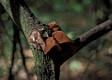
(25, 20)
(45, 68)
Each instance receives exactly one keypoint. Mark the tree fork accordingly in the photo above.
(22, 16)
(48, 68)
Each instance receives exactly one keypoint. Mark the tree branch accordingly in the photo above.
(71, 48)
(23, 17)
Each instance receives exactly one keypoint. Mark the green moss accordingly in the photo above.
(44, 66)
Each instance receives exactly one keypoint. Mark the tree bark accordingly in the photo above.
(73, 47)
(21, 15)
(45, 67)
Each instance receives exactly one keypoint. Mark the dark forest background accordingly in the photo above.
(93, 62)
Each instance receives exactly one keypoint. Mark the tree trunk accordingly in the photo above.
(45, 67)
(21, 15)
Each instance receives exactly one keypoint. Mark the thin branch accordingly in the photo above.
(10, 77)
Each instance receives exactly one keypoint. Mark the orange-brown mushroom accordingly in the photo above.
(56, 39)
(54, 26)
(50, 43)
(60, 37)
